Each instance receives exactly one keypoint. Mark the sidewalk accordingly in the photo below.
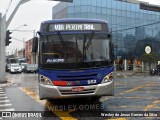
(5, 83)
(123, 73)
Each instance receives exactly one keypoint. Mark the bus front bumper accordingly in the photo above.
(57, 92)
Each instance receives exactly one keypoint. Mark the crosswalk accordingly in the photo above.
(5, 104)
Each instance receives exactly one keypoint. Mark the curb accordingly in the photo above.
(121, 74)
(4, 84)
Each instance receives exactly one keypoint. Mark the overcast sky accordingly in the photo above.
(156, 2)
(31, 13)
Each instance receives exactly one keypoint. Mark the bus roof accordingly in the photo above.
(51, 26)
(74, 20)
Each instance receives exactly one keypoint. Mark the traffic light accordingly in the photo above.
(8, 37)
(35, 44)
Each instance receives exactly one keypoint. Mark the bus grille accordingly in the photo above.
(77, 77)
(69, 92)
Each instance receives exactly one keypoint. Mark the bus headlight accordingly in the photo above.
(108, 78)
(45, 80)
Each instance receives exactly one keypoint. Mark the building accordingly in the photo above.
(21, 53)
(28, 51)
(31, 57)
(131, 22)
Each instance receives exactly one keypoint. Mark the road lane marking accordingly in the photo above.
(136, 88)
(150, 92)
(127, 97)
(5, 105)
(138, 97)
(48, 104)
(131, 106)
(156, 107)
(3, 97)
(117, 119)
(151, 105)
(4, 101)
(122, 83)
(7, 109)
(61, 113)
(118, 83)
(103, 99)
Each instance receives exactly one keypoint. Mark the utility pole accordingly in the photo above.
(14, 12)
(23, 48)
(3, 28)
(2, 47)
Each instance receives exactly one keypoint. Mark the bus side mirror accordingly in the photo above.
(109, 35)
(112, 51)
(35, 44)
(39, 33)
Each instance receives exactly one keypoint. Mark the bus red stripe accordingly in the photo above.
(60, 83)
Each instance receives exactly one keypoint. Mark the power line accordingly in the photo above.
(8, 7)
(24, 30)
(18, 39)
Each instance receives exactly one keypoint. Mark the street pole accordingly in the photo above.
(2, 48)
(14, 12)
(3, 28)
(23, 48)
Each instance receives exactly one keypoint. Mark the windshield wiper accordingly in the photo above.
(86, 45)
(63, 43)
(84, 48)
(89, 41)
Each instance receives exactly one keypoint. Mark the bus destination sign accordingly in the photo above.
(75, 27)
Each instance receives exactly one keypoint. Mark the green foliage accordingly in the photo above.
(150, 58)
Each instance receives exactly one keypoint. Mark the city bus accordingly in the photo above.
(75, 59)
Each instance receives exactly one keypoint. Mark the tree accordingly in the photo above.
(150, 58)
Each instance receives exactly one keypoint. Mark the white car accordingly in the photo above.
(14, 68)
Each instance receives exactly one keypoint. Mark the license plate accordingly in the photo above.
(78, 89)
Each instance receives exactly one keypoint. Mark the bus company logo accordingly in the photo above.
(70, 83)
(77, 82)
(55, 60)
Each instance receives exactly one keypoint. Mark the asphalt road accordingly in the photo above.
(134, 96)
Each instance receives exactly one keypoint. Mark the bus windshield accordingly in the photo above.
(74, 51)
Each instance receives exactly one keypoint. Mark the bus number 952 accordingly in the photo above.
(92, 81)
